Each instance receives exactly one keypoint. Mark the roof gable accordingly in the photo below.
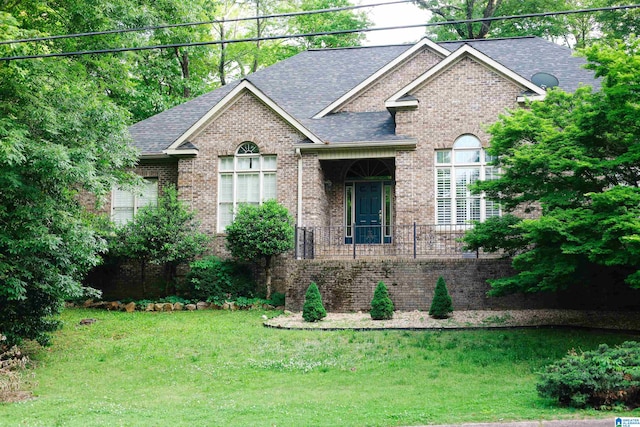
(363, 85)
(530, 55)
(400, 99)
(228, 100)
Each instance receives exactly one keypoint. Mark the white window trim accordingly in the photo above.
(452, 166)
(235, 172)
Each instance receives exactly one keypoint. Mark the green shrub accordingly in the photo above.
(601, 378)
(441, 305)
(213, 279)
(381, 304)
(277, 299)
(313, 310)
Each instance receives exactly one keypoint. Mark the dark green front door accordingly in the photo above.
(368, 212)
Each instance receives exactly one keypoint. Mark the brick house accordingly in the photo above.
(370, 148)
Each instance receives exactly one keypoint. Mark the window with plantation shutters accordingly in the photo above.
(456, 170)
(125, 203)
(247, 177)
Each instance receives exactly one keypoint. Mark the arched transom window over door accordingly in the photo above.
(247, 177)
(456, 169)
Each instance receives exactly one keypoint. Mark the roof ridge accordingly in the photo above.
(356, 47)
(487, 39)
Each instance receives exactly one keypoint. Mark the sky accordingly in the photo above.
(394, 15)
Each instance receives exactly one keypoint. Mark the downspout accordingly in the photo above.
(299, 213)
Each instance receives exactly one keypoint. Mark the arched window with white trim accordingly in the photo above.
(457, 168)
(247, 177)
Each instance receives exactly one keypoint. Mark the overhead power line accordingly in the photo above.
(324, 33)
(194, 24)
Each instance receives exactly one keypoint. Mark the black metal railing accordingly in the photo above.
(403, 241)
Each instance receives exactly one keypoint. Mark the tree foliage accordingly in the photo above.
(261, 232)
(59, 136)
(573, 158)
(455, 10)
(575, 30)
(328, 22)
(601, 379)
(381, 304)
(148, 82)
(215, 279)
(166, 234)
(313, 310)
(441, 305)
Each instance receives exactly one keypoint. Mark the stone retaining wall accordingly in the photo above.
(348, 286)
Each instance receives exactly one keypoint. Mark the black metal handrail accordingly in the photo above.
(402, 241)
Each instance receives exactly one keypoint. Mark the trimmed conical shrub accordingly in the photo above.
(441, 305)
(381, 304)
(313, 310)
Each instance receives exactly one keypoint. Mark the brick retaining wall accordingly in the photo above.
(349, 285)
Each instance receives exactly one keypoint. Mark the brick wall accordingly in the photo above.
(348, 286)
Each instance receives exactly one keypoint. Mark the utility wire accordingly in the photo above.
(215, 21)
(338, 32)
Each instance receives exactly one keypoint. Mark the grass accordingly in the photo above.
(218, 368)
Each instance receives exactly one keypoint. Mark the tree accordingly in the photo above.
(313, 310)
(618, 25)
(381, 304)
(150, 81)
(576, 30)
(261, 231)
(327, 22)
(59, 136)
(456, 10)
(441, 305)
(166, 234)
(573, 158)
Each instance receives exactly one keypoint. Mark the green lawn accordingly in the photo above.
(215, 368)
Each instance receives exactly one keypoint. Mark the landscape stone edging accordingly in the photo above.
(167, 306)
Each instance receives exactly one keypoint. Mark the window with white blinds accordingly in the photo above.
(247, 177)
(125, 204)
(456, 170)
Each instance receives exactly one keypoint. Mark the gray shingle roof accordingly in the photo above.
(354, 127)
(306, 83)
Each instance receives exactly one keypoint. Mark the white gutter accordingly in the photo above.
(364, 145)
